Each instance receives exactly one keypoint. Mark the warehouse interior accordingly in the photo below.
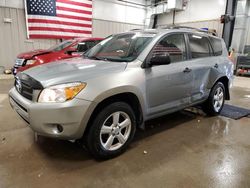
(186, 148)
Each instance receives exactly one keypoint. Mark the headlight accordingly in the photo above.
(30, 62)
(61, 93)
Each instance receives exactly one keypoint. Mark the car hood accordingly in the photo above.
(31, 54)
(72, 70)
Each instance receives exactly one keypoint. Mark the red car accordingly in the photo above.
(64, 50)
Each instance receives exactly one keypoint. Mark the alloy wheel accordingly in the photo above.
(218, 99)
(115, 131)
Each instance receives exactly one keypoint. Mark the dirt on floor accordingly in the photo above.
(178, 150)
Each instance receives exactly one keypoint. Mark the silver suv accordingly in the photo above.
(120, 83)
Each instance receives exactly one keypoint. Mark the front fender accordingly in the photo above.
(120, 90)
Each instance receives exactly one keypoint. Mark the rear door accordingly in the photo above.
(201, 61)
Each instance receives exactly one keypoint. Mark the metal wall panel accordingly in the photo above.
(12, 3)
(103, 28)
(13, 36)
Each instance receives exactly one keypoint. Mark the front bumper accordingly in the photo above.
(70, 117)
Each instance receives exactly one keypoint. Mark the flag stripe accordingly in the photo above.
(74, 14)
(59, 26)
(75, 3)
(74, 17)
(74, 10)
(48, 36)
(68, 5)
(61, 19)
(58, 22)
(58, 33)
(59, 29)
(79, 1)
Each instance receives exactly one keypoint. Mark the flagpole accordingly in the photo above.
(26, 18)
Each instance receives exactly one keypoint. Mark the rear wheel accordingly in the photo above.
(111, 131)
(215, 102)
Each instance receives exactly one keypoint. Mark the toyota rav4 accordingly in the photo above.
(125, 80)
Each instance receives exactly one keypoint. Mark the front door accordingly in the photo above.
(168, 87)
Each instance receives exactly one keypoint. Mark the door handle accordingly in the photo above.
(187, 70)
(216, 66)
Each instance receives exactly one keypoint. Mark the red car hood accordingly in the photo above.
(31, 54)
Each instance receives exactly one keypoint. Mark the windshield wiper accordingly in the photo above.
(106, 59)
(96, 58)
(116, 60)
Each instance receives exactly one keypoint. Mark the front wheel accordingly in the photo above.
(215, 102)
(111, 131)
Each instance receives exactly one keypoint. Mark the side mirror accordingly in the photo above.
(160, 60)
(70, 51)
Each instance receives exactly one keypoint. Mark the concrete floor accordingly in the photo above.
(183, 150)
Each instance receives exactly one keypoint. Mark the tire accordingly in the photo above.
(216, 96)
(109, 141)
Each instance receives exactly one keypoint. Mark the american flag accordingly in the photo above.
(59, 18)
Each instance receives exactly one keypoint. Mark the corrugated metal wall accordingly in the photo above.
(103, 28)
(13, 37)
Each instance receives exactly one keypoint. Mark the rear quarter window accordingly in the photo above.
(217, 46)
(199, 46)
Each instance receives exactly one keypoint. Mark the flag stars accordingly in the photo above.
(42, 7)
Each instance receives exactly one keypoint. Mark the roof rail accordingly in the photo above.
(191, 28)
(135, 29)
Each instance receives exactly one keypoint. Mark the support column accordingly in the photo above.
(229, 27)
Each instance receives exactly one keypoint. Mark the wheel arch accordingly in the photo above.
(225, 81)
(130, 98)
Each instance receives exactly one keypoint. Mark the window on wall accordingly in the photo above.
(174, 46)
(199, 46)
(217, 46)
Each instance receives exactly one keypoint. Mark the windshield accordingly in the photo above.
(121, 48)
(61, 46)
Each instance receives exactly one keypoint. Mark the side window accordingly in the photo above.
(217, 46)
(199, 46)
(83, 46)
(91, 44)
(172, 45)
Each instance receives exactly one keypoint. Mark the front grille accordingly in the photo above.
(26, 90)
(26, 85)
